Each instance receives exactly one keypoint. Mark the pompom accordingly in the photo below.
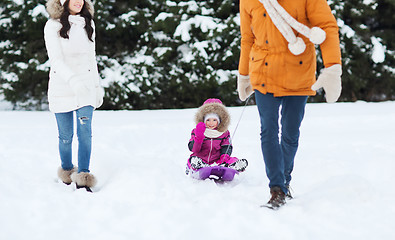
(317, 35)
(297, 47)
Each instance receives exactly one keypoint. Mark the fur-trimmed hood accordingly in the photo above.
(55, 9)
(218, 109)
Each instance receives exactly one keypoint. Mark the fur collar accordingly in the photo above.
(55, 9)
(218, 109)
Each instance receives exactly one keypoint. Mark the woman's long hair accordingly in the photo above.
(64, 20)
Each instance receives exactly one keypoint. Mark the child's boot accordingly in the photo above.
(197, 163)
(239, 165)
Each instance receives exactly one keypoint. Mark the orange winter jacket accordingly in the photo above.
(264, 51)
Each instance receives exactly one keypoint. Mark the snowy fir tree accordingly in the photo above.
(155, 54)
(23, 74)
(366, 37)
(183, 52)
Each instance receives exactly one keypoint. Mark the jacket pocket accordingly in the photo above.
(57, 86)
(300, 70)
(257, 63)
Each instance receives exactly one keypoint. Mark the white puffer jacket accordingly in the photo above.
(74, 80)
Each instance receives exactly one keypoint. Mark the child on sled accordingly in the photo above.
(209, 141)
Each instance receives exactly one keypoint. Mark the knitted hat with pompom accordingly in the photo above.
(212, 100)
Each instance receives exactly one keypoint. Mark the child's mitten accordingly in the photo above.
(199, 137)
(199, 131)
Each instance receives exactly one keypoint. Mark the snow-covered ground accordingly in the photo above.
(342, 179)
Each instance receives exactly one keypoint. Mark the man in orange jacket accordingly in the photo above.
(278, 63)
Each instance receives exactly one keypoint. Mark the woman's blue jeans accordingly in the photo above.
(279, 153)
(84, 133)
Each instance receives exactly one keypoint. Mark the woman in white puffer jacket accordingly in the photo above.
(73, 83)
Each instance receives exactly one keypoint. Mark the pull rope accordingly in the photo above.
(237, 125)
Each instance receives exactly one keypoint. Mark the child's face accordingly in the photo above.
(212, 123)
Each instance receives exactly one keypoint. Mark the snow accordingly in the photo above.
(128, 16)
(38, 10)
(4, 105)
(205, 23)
(378, 55)
(162, 16)
(224, 75)
(159, 51)
(342, 179)
(19, 2)
(367, 2)
(345, 29)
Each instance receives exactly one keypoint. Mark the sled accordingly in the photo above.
(218, 173)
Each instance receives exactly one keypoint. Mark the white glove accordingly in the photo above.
(330, 80)
(79, 86)
(244, 87)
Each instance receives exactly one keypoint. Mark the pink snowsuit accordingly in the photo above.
(210, 150)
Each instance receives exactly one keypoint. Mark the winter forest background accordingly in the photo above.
(156, 54)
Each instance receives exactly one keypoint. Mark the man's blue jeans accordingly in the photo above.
(84, 133)
(278, 153)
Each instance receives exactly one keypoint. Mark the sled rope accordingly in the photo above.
(237, 125)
